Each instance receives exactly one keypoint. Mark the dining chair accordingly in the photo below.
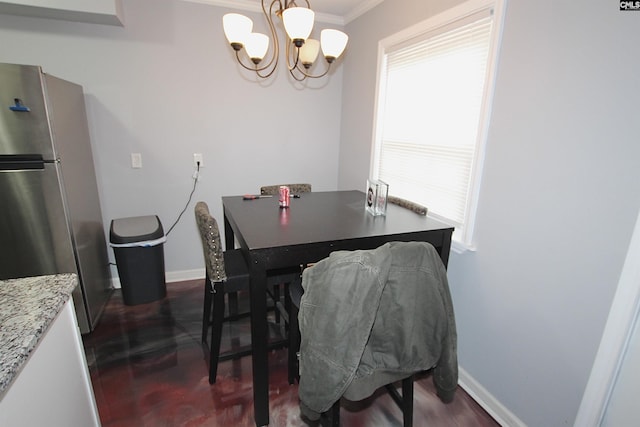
(273, 190)
(393, 307)
(285, 276)
(226, 273)
(416, 207)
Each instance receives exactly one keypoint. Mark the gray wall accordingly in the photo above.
(559, 197)
(167, 86)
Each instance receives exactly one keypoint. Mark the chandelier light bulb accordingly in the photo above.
(333, 43)
(298, 22)
(309, 52)
(236, 28)
(256, 45)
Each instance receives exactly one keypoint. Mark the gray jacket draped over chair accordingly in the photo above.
(372, 317)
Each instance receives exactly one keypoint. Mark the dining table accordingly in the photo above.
(315, 224)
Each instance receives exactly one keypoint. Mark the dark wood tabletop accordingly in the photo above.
(335, 219)
(314, 225)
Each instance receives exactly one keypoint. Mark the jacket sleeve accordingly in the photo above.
(445, 374)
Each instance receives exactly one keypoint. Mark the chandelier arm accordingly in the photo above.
(292, 71)
(264, 76)
(299, 76)
(246, 67)
(300, 79)
(251, 67)
(288, 55)
(275, 52)
(311, 76)
(294, 67)
(293, 3)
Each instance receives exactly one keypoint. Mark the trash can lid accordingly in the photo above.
(135, 229)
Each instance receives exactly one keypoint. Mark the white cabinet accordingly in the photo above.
(54, 388)
(108, 12)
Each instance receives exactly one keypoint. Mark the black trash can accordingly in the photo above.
(138, 245)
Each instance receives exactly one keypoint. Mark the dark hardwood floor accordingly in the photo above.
(148, 368)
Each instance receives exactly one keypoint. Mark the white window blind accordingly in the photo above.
(430, 105)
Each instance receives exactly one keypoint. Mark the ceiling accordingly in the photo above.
(331, 11)
(108, 12)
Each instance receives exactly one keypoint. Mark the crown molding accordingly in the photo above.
(362, 8)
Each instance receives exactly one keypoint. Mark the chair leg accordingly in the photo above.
(206, 312)
(331, 418)
(294, 344)
(216, 331)
(407, 401)
(287, 307)
(404, 400)
(233, 303)
(276, 299)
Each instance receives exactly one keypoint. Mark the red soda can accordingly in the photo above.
(284, 196)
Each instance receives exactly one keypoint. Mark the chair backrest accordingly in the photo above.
(273, 190)
(417, 208)
(211, 243)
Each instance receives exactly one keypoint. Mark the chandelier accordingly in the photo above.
(301, 51)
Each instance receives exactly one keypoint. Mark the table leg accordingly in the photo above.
(229, 237)
(229, 243)
(259, 338)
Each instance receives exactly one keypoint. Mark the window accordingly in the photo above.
(432, 109)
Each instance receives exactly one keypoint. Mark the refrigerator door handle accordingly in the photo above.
(11, 162)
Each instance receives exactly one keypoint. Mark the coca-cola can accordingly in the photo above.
(284, 196)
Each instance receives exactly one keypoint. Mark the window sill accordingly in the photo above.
(460, 248)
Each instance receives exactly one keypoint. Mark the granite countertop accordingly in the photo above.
(27, 308)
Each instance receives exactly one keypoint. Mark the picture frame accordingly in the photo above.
(376, 197)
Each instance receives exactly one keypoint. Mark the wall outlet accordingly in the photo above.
(197, 158)
(136, 160)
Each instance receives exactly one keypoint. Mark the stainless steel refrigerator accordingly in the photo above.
(50, 217)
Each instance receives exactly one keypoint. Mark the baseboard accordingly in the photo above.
(489, 403)
(172, 276)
